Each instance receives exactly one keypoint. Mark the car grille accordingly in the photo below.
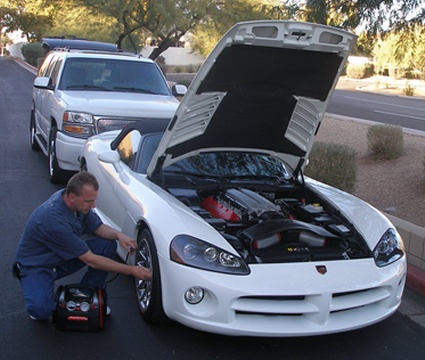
(319, 308)
(109, 124)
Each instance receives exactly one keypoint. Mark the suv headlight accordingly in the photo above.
(197, 253)
(78, 124)
(390, 248)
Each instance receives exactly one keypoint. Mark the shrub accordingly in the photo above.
(369, 70)
(333, 164)
(385, 141)
(408, 90)
(31, 52)
(191, 68)
(355, 71)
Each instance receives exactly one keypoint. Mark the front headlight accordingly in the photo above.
(193, 252)
(390, 248)
(78, 124)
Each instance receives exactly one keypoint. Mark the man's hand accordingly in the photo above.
(106, 232)
(127, 242)
(142, 273)
(106, 264)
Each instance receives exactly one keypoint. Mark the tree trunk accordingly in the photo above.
(164, 45)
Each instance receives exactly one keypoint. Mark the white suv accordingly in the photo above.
(79, 93)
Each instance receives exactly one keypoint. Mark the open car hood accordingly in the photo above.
(264, 88)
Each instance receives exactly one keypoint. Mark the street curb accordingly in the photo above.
(416, 279)
(25, 65)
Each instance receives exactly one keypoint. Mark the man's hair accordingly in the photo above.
(77, 182)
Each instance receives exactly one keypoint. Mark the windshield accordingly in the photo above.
(113, 75)
(228, 165)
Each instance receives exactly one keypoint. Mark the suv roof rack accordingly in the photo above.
(77, 44)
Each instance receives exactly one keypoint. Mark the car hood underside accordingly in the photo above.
(264, 88)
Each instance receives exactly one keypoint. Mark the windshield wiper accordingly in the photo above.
(190, 175)
(255, 177)
(86, 87)
(134, 89)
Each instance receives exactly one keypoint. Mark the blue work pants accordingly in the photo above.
(38, 283)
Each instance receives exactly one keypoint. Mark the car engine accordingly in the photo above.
(276, 226)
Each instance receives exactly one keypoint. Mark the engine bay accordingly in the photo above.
(284, 224)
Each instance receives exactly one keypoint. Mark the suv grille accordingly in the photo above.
(109, 124)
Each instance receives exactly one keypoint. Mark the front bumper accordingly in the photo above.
(283, 300)
(68, 151)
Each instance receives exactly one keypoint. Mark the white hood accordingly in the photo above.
(264, 88)
(110, 103)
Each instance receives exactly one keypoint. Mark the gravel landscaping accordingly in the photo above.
(393, 186)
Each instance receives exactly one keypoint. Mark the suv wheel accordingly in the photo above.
(56, 174)
(34, 144)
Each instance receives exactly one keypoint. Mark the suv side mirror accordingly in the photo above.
(179, 90)
(42, 82)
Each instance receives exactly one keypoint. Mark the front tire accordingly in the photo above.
(148, 293)
(56, 174)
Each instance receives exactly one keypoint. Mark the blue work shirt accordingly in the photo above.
(53, 233)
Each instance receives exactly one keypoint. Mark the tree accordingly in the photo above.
(364, 44)
(130, 22)
(383, 55)
(94, 27)
(168, 21)
(402, 51)
(175, 18)
(165, 20)
(218, 21)
(373, 15)
(127, 16)
(4, 41)
(212, 28)
(29, 16)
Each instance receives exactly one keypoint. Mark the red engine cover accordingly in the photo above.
(219, 210)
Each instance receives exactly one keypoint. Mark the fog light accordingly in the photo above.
(194, 295)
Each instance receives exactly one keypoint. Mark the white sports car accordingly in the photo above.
(238, 241)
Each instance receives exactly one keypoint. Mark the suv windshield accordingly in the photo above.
(113, 75)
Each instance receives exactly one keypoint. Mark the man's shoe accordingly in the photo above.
(108, 311)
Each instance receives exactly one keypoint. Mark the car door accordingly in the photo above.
(39, 93)
(120, 184)
(48, 96)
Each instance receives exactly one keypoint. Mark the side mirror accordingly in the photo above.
(179, 90)
(42, 82)
(111, 157)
